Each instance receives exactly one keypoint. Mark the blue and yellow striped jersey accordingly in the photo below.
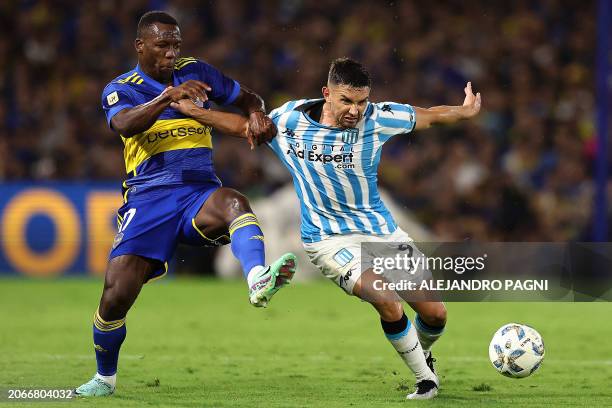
(176, 149)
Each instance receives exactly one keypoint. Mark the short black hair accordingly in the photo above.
(151, 17)
(345, 71)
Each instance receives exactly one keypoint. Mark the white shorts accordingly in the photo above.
(339, 256)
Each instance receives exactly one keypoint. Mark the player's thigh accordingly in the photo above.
(338, 259)
(220, 209)
(129, 270)
(406, 278)
(148, 223)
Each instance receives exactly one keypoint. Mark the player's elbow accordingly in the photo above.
(248, 101)
(123, 127)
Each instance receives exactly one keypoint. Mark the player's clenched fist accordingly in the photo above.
(192, 89)
(261, 128)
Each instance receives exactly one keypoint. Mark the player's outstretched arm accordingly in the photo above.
(226, 123)
(425, 117)
(131, 121)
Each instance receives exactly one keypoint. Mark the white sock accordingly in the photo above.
(109, 379)
(409, 348)
(253, 273)
(427, 334)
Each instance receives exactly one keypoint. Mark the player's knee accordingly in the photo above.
(236, 204)
(390, 311)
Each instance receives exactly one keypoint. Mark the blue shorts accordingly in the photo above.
(154, 219)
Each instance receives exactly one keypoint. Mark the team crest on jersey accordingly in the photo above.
(350, 136)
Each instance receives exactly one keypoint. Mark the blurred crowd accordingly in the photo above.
(521, 171)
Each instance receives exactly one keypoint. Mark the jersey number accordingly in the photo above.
(127, 219)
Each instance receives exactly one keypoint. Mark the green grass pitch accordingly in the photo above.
(194, 343)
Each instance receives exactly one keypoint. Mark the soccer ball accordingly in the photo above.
(516, 350)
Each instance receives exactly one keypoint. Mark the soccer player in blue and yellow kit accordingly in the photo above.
(172, 194)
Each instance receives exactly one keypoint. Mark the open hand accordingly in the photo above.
(471, 103)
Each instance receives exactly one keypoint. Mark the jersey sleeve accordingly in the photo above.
(286, 107)
(276, 115)
(225, 90)
(114, 100)
(394, 119)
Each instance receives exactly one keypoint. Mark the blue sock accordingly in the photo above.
(247, 242)
(108, 337)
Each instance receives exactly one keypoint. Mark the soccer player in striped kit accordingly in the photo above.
(332, 148)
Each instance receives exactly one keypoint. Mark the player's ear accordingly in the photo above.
(325, 91)
(138, 44)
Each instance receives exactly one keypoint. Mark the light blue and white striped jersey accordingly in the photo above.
(335, 170)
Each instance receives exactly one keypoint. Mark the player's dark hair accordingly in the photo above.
(151, 17)
(345, 71)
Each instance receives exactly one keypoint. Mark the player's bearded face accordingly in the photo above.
(159, 49)
(347, 103)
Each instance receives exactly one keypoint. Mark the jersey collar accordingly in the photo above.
(308, 104)
(158, 86)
